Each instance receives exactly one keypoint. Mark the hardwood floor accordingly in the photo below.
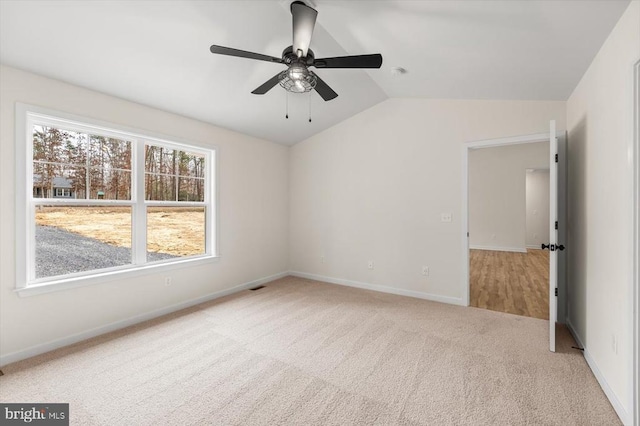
(516, 283)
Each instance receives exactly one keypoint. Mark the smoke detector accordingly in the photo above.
(396, 71)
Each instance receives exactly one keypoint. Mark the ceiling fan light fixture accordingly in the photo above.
(297, 79)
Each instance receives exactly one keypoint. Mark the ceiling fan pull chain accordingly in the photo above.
(309, 107)
(287, 102)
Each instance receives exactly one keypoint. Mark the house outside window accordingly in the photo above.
(63, 192)
(100, 200)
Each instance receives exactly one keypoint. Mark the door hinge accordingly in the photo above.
(556, 224)
(556, 291)
(556, 158)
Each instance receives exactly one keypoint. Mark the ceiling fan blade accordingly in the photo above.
(268, 85)
(323, 89)
(357, 61)
(304, 20)
(221, 50)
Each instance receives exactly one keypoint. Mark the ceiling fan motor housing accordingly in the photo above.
(289, 57)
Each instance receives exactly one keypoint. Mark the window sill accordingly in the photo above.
(83, 281)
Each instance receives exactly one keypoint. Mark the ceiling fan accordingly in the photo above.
(297, 78)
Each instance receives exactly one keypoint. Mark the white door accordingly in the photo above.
(553, 234)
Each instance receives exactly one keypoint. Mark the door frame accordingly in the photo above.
(466, 147)
(635, 392)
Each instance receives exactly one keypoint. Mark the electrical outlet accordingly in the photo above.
(321, 259)
(167, 281)
(445, 217)
(370, 264)
(425, 271)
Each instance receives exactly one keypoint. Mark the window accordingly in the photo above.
(63, 192)
(99, 200)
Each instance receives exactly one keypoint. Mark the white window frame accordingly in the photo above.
(26, 283)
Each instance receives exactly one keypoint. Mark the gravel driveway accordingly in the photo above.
(59, 252)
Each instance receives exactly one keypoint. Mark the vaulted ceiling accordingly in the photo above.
(157, 53)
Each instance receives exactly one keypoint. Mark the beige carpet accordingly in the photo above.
(301, 352)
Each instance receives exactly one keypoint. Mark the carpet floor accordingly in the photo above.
(301, 352)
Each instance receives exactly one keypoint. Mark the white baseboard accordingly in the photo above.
(69, 340)
(613, 398)
(533, 246)
(491, 248)
(381, 288)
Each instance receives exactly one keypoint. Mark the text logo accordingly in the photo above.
(34, 414)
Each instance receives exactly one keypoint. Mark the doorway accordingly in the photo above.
(557, 224)
(508, 212)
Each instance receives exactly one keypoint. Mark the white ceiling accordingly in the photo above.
(157, 53)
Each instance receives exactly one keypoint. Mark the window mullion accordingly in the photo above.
(176, 186)
(139, 220)
(87, 173)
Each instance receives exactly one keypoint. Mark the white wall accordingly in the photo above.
(537, 189)
(600, 124)
(374, 186)
(253, 188)
(497, 194)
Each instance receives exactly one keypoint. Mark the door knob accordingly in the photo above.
(553, 247)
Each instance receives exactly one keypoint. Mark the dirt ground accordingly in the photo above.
(178, 231)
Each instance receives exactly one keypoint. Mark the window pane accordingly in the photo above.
(190, 189)
(159, 159)
(109, 153)
(52, 180)
(191, 165)
(160, 187)
(109, 184)
(58, 145)
(78, 239)
(110, 176)
(175, 232)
